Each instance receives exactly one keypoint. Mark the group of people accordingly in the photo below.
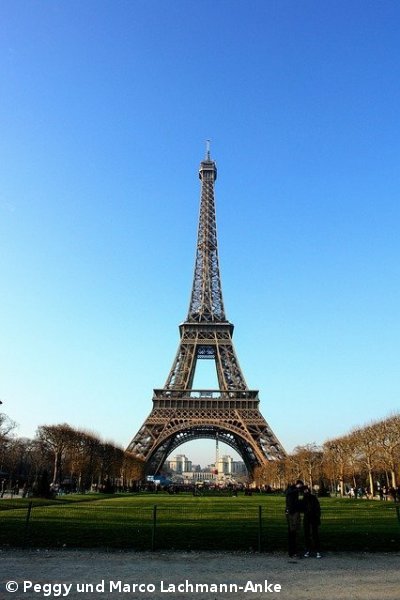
(301, 501)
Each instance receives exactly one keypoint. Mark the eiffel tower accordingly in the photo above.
(229, 414)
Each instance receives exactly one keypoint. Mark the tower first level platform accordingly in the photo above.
(233, 417)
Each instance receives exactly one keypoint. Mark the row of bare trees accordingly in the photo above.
(61, 456)
(367, 457)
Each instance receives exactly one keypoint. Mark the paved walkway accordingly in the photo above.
(209, 576)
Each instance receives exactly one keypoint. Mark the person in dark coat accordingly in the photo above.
(311, 522)
(293, 515)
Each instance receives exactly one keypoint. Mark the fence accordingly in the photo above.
(198, 524)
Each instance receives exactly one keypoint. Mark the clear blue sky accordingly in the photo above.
(105, 108)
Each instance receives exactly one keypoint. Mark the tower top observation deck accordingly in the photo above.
(208, 168)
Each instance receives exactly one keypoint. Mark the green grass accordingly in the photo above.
(184, 522)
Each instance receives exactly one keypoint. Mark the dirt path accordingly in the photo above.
(65, 574)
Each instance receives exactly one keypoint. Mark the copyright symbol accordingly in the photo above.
(11, 586)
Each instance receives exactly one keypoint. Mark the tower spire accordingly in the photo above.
(206, 303)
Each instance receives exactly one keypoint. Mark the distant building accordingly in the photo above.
(179, 464)
(199, 476)
(226, 468)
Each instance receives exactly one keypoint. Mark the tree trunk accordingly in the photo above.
(371, 483)
(57, 466)
(393, 474)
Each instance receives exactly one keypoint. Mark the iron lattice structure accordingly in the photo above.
(230, 413)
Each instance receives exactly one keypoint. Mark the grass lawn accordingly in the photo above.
(185, 522)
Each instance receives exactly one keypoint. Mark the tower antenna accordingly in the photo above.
(208, 150)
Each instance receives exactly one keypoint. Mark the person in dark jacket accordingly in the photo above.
(311, 522)
(293, 515)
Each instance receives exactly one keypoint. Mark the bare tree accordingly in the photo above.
(111, 460)
(387, 434)
(308, 460)
(7, 425)
(364, 440)
(336, 461)
(83, 459)
(132, 469)
(270, 474)
(291, 469)
(58, 439)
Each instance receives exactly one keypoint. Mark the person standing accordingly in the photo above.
(311, 508)
(293, 515)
